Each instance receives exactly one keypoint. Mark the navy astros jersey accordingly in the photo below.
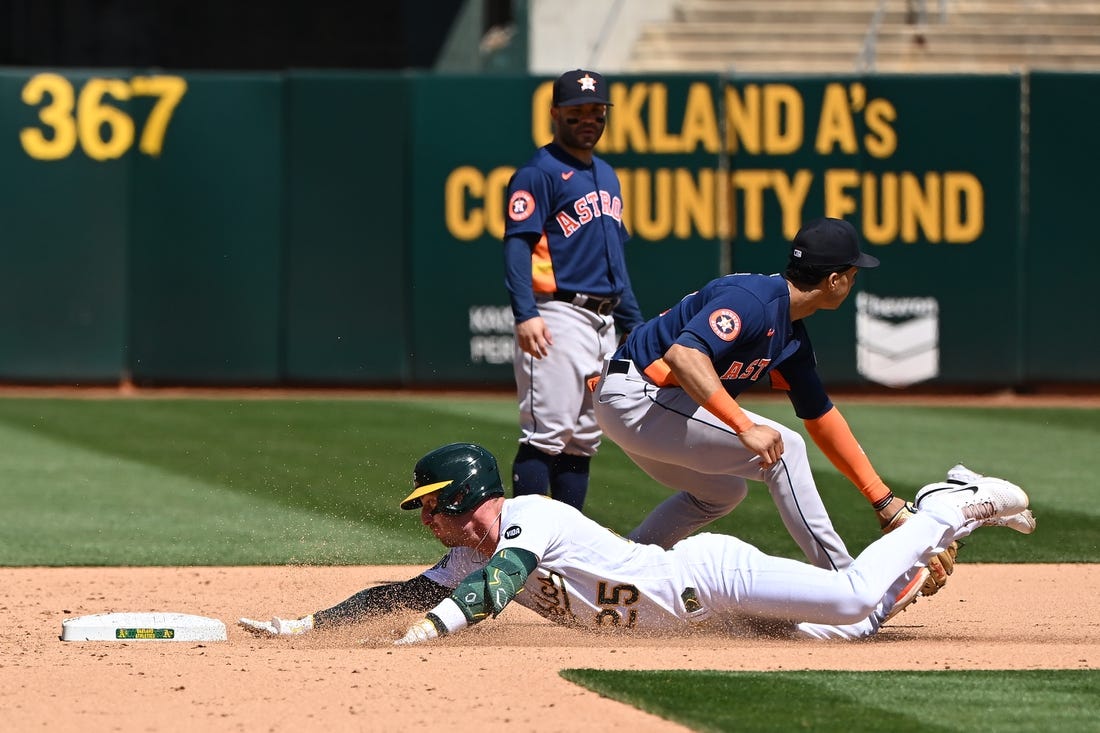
(574, 210)
(743, 323)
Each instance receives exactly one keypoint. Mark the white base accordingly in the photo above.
(142, 627)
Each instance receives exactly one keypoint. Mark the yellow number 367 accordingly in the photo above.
(105, 132)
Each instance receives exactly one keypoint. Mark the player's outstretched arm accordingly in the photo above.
(834, 437)
(483, 593)
(417, 594)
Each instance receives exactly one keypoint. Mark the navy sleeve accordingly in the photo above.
(529, 202)
(690, 340)
(807, 393)
(418, 594)
(517, 276)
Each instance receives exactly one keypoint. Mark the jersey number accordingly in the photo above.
(616, 595)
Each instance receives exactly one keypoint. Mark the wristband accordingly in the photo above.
(726, 409)
(884, 502)
(449, 615)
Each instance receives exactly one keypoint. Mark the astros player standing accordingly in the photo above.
(569, 288)
(667, 398)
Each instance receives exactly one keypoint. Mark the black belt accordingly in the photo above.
(618, 366)
(597, 304)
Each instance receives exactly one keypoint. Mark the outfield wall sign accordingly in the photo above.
(897, 339)
(719, 174)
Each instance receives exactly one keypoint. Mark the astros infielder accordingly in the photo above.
(566, 274)
(742, 324)
(552, 559)
(668, 398)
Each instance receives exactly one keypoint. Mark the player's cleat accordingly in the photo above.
(959, 472)
(987, 498)
(1024, 522)
(908, 594)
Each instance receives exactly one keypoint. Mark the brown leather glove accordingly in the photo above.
(940, 566)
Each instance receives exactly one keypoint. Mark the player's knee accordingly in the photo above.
(854, 614)
(793, 443)
(715, 507)
(855, 602)
(531, 471)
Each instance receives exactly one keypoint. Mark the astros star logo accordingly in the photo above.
(725, 323)
(588, 84)
(521, 206)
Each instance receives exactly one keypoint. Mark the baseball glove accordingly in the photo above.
(940, 566)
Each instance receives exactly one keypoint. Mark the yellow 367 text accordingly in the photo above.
(103, 130)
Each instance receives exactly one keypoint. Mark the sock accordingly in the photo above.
(531, 471)
(569, 479)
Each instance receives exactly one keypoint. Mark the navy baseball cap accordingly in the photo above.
(579, 87)
(829, 243)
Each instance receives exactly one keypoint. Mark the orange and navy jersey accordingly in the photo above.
(564, 232)
(743, 323)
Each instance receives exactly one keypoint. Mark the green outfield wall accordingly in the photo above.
(347, 294)
(344, 228)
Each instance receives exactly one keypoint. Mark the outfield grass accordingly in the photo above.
(976, 701)
(234, 481)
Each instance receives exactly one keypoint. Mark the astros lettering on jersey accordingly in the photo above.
(576, 211)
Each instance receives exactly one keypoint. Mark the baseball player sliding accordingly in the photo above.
(552, 559)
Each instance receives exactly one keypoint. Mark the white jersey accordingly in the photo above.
(589, 576)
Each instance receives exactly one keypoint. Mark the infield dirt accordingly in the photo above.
(500, 675)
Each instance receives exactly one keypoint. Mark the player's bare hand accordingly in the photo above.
(765, 442)
(533, 337)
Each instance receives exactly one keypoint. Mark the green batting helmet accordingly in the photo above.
(464, 474)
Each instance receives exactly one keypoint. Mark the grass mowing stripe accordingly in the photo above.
(494, 410)
(346, 458)
(66, 505)
(858, 702)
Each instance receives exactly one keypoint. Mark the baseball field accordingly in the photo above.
(259, 504)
